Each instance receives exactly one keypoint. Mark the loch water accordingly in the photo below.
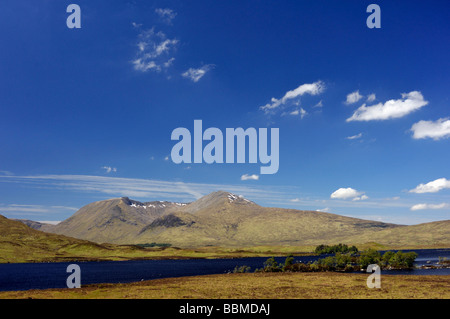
(26, 276)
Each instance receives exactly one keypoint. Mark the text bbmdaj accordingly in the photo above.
(213, 152)
(228, 308)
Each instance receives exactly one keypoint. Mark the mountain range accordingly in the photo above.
(227, 220)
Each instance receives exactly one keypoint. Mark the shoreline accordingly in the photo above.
(213, 252)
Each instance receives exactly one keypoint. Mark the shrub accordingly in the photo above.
(270, 265)
(368, 257)
(241, 269)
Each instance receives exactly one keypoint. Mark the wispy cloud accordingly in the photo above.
(167, 15)
(144, 189)
(354, 137)
(293, 96)
(432, 187)
(353, 97)
(299, 111)
(372, 97)
(319, 104)
(109, 169)
(362, 197)
(247, 177)
(303, 113)
(153, 50)
(430, 206)
(34, 210)
(391, 109)
(429, 129)
(196, 74)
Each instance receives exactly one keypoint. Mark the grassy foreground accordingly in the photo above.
(257, 286)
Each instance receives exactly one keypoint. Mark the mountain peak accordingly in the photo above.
(216, 199)
(223, 195)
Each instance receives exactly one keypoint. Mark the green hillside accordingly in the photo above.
(20, 243)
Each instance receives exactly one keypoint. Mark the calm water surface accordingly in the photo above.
(53, 275)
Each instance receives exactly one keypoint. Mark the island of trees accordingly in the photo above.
(345, 259)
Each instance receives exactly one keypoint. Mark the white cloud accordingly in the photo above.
(196, 74)
(429, 129)
(169, 62)
(109, 169)
(143, 65)
(353, 97)
(430, 206)
(372, 97)
(295, 200)
(163, 47)
(312, 89)
(300, 112)
(247, 177)
(153, 48)
(347, 193)
(362, 197)
(354, 137)
(51, 222)
(166, 158)
(325, 210)
(432, 187)
(166, 14)
(391, 109)
(319, 104)
(136, 25)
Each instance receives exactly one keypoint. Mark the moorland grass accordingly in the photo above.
(322, 285)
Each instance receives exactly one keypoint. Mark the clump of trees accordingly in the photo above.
(241, 269)
(339, 248)
(346, 262)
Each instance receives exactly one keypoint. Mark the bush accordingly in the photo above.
(368, 257)
(270, 265)
(288, 263)
(241, 269)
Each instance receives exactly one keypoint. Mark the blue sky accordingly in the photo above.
(364, 114)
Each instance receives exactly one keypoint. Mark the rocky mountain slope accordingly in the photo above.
(225, 219)
(117, 220)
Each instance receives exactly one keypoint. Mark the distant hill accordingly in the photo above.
(434, 234)
(36, 225)
(227, 220)
(20, 243)
(224, 219)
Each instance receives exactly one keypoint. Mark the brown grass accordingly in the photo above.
(258, 286)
